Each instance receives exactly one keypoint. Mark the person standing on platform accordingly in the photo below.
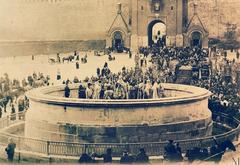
(81, 91)
(97, 89)
(89, 91)
(67, 91)
(155, 90)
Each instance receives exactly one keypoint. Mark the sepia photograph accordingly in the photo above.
(120, 82)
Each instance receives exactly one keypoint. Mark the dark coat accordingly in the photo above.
(81, 92)
(67, 92)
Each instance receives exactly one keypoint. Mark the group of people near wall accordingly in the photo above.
(126, 84)
(12, 91)
(143, 82)
(138, 83)
(226, 96)
(107, 157)
(172, 152)
(153, 67)
(168, 60)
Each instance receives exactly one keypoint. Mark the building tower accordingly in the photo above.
(195, 33)
(163, 22)
(169, 16)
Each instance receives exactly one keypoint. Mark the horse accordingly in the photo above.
(68, 58)
(215, 154)
(52, 61)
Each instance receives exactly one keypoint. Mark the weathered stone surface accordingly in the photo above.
(137, 121)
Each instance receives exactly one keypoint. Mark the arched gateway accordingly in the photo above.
(117, 41)
(196, 39)
(161, 22)
(147, 22)
(157, 33)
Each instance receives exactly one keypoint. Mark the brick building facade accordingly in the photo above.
(101, 20)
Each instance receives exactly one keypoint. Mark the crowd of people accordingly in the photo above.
(221, 78)
(153, 66)
(225, 98)
(126, 158)
(12, 92)
(127, 84)
(172, 152)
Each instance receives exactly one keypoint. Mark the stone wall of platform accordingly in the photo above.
(72, 119)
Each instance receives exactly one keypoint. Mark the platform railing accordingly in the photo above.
(54, 148)
(8, 120)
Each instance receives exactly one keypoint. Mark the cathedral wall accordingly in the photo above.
(34, 20)
(54, 20)
(166, 15)
(215, 14)
(169, 13)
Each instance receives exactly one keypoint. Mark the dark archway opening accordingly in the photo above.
(157, 33)
(196, 39)
(117, 42)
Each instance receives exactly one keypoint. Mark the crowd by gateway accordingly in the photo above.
(144, 81)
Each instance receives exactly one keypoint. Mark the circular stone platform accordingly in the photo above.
(183, 114)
